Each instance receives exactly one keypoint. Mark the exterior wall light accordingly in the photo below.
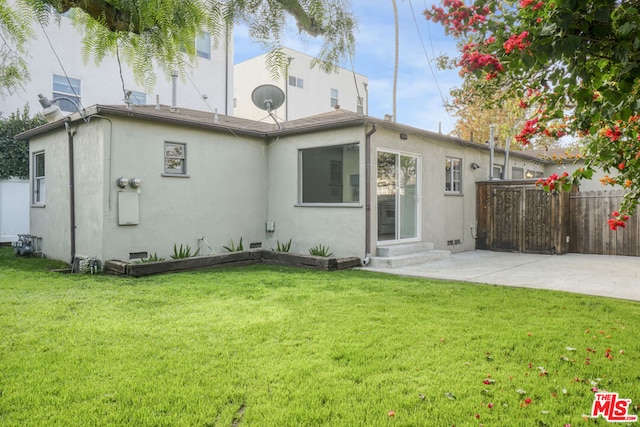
(475, 166)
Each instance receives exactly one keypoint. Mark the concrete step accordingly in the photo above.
(404, 249)
(408, 259)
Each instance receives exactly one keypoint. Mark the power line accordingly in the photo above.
(433, 73)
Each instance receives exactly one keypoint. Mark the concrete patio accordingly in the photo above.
(601, 275)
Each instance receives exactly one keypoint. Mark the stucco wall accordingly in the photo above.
(14, 209)
(51, 220)
(342, 228)
(224, 196)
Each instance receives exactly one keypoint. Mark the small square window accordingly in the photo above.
(175, 156)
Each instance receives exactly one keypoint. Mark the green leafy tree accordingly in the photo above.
(14, 154)
(144, 33)
(573, 65)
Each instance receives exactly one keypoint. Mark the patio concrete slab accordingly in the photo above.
(601, 275)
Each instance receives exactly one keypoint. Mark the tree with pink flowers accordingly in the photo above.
(574, 67)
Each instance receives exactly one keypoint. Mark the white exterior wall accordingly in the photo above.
(223, 198)
(341, 228)
(101, 84)
(14, 209)
(50, 221)
(314, 98)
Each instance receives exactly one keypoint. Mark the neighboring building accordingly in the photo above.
(89, 84)
(147, 179)
(308, 91)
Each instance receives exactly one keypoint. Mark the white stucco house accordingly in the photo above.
(145, 179)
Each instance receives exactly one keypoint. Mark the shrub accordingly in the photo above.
(284, 247)
(320, 250)
(234, 248)
(180, 253)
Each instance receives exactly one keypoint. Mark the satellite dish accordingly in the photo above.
(267, 97)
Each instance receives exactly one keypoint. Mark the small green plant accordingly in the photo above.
(320, 250)
(234, 248)
(152, 258)
(284, 247)
(180, 253)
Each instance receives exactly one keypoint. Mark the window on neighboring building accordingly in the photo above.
(38, 178)
(175, 158)
(67, 88)
(497, 172)
(334, 97)
(295, 81)
(137, 98)
(359, 107)
(517, 173)
(453, 179)
(203, 45)
(533, 174)
(330, 174)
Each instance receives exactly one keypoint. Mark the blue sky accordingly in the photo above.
(419, 100)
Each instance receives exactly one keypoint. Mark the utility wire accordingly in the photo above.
(424, 49)
(61, 65)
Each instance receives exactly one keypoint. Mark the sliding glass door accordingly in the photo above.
(398, 196)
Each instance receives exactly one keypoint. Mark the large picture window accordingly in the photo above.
(38, 192)
(175, 157)
(330, 174)
(453, 178)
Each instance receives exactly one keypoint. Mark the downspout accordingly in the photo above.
(505, 174)
(226, 71)
(72, 198)
(367, 186)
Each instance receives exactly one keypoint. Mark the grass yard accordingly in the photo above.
(268, 346)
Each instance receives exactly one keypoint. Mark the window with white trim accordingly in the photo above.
(67, 87)
(38, 187)
(334, 97)
(175, 158)
(497, 171)
(453, 175)
(203, 45)
(330, 174)
(517, 172)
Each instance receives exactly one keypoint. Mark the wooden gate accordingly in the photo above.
(517, 216)
(590, 233)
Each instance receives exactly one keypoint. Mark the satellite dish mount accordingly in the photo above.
(268, 98)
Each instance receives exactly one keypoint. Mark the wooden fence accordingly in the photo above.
(516, 216)
(590, 233)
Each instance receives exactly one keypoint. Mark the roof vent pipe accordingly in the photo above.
(174, 89)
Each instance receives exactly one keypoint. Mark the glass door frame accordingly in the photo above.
(398, 224)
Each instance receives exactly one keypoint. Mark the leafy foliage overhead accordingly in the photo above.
(14, 154)
(163, 31)
(573, 65)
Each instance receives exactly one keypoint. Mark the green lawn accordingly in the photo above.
(268, 346)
